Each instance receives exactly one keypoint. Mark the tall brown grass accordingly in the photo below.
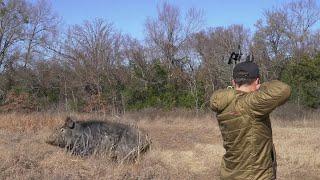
(185, 146)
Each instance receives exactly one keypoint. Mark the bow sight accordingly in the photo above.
(236, 56)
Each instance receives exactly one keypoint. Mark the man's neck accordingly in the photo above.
(244, 88)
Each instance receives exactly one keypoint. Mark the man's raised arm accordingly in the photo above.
(270, 95)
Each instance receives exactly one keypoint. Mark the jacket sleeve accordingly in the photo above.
(270, 95)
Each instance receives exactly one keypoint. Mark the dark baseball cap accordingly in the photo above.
(247, 70)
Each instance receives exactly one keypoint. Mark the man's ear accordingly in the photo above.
(233, 83)
(69, 123)
(257, 82)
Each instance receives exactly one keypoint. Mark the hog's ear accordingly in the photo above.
(69, 123)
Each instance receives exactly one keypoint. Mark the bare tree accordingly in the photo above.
(94, 52)
(13, 19)
(214, 47)
(273, 33)
(169, 33)
(285, 33)
(89, 48)
(270, 44)
(41, 31)
(139, 60)
(302, 16)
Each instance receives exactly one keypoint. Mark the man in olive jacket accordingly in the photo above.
(243, 117)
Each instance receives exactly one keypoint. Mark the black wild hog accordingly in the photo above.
(119, 141)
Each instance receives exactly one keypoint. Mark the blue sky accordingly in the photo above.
(129, 16)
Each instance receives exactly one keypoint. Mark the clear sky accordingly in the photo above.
(129, 16)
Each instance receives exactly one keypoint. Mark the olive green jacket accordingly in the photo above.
(246, 130)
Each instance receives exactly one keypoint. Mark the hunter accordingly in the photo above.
(243, 117)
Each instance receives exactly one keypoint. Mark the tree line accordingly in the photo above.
(94, 67)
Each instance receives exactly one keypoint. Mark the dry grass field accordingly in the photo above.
(185, 146)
